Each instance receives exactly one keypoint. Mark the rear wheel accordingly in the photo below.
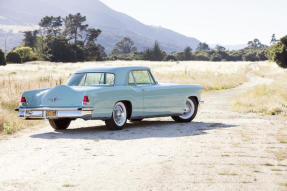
(190, 111)
(60, 124)
(119, 117)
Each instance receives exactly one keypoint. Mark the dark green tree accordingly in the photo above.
(170, 57)
(125, 46)
(51, 25)
(148, 54)
(201, 55)
(157, 53)
(30, 38)
(262, 54)
(255, 44)
(219, 47)
(59, 50)
(75, 27)
(215, 57)
(13, 57)
(93, 51)
(100, 54)
(273, 39)
(187, 53)
(2, 58)
(203, 46)
(235, 55)
(250, 56)
(92, 35)
(278, 52)
(180, 55)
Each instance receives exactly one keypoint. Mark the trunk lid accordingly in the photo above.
(59, 96)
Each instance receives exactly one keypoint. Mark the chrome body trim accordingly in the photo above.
(41, 113)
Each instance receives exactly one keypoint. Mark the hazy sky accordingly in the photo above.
(211, 21)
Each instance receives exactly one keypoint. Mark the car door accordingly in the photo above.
(152, 96)
(137, 95)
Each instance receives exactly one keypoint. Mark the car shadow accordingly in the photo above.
(138, 130)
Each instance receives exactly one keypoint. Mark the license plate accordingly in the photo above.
(51, 113)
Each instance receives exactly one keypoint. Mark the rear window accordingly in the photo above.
(92, 79)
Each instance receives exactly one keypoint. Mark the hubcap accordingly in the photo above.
(189, 110)
(119, 114)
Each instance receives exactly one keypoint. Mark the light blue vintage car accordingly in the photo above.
(112, 94)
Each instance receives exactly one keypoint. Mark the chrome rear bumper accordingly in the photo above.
(52, 113)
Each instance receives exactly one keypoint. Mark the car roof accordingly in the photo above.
(121, 72)
(112, 69)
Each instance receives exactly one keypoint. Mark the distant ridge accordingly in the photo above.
(114, 25)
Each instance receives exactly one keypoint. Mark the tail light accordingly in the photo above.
(86, 100)
(23, 100)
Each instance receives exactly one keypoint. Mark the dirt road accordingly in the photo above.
(220, 150)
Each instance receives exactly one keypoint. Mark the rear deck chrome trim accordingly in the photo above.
(56, 108)
(61, 112)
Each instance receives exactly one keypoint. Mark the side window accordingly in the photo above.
(93, 79)
(131, 80)
(99, 79)
(143, 77)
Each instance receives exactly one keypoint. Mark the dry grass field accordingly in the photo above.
(17, 78)
(266, 98)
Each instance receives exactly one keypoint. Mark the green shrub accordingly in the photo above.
(20, 55)
(26, 54)
(215, 57)
(13, 57)
(201, 55)
(249, 56)
(170, 58)
(2, 58)
(278, 52)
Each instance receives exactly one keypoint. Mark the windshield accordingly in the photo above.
(91, 79)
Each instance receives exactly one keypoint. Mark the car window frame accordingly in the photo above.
(131, 72)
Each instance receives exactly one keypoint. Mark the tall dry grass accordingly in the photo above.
(17, 78)
(268, 98)
(12, 85)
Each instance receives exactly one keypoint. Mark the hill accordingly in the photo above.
(114, 25)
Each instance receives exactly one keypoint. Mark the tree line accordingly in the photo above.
(125, 50)
(70, 39)
(59, 39)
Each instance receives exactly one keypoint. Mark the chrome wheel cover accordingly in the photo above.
(189, 110)
(119, 114)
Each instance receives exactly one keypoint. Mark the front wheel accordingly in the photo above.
(119, 117)
(60, 124)
(190, 111)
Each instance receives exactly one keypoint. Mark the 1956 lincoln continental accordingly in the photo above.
(112, 94)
